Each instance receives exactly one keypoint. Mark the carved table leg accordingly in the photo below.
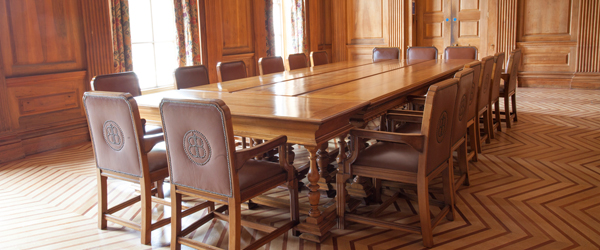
(325, 171)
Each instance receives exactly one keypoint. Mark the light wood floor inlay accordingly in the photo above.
(535, 187)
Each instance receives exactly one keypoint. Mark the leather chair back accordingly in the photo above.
(297, 61)
(200, 145)
(485, 82)
(270, 65)
(423, 53)
(498, 63)
(229, 71)
(439, 110)
(472, 97)
(460, 53)
(461, 117)
(318, 58)
(385, 53)
(192, 76)
(118, 82)
(116, 132)
(514, 61)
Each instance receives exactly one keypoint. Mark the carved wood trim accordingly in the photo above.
(98, 38)
(588, 49)
(338, 19)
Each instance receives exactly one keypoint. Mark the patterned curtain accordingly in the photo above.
(270, 28)
(188, 32)
(121, 36)
(298, 43)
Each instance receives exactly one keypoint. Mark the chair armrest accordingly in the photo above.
(405, 117)
(414, 140)
(244, 155)
(151, 140)
(505, 77)
(416, 99)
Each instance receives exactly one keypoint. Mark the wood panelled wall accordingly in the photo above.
(233, 30)
(47, 48)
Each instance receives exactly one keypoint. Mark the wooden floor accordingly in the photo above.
(537, 186)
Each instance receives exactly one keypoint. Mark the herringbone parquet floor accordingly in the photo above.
(535, 187)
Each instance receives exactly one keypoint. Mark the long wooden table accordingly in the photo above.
(312, 106)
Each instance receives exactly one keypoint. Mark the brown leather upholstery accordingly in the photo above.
(270, 65)
(465, 89)
(460, 53)
(297, 61)
(391, 156)
(512, 68)
(472, 97)
(486, 81)
(115, 129)
(229, 71)
(422, 53)
(318, 58)
(118, 82)
(385, 53)
(192, 76)
(498, 63)
(204, 162)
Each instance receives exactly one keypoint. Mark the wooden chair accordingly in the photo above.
(192, 76)
(508, 90)
(385, 53)
(495, 93)
(229, 71)
(423, 53)
(407, 158)
(123, 82)
(270, 65)
(318, 58)
(122, 152)
(483, 101)
(297, 61)
(463, 122)
(458, 52)
(203, 163)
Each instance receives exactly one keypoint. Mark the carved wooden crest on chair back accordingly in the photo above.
(485, 82)
(438, 130)
(460, 119)
(192, 76)
(514, 62)
(497, 73)
(115, 129)
(200, 144)
(119, 82)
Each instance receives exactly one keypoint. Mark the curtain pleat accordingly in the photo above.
(298, 23)
(122, 54)
(188, 32)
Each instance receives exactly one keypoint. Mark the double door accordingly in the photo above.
(444, 23)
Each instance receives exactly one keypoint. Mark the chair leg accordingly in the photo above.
(507, 112)
(377, 185)
(235, 223)
(477, 134)
(424, 212)
(448, 182)
(175, 218)
(497, 114)
(492, 134)
(514, 105)
(487, 123)
(159, 189)
(463, 163)
(294, 206)
(341, 198)
(471, 131)
(146, 207)
(102, 200)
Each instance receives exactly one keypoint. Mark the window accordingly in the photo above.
(153, 39)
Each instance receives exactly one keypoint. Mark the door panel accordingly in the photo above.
(433, 23)
(466, 23)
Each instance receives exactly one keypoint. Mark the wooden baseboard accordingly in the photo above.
(28, 142)
(560, 80)
(586, 81)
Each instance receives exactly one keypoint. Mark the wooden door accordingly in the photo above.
(433, 23)
(467, 24)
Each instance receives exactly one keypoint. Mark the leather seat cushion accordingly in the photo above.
(157, 157)
(387, 155)
(409, 128)
(254, 172)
